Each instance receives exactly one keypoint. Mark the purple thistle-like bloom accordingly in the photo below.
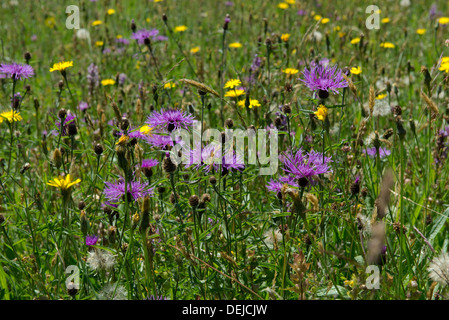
(123, 41)
(303, 167)
(324, 78)
(91, 240)
(170, 119)
(83, 106)
(143, 34)
(69, 118)
(17, 71)
(383, 152)
(121, 79)
(149, 163)
(135, 189)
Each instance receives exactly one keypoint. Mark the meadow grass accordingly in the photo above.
(357, 208)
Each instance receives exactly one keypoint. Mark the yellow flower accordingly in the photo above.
(317, 17)
(420, 31)
(111, 12)
(290, 1)
(443, 20)
(290, 71)
(169, 85)
(254, 103)
(62, 183)
(355, 40)
(381, 96)
(283, 5)
(285, 37)
(444, 67)
(50, 22)
(337, 28)
(146, 130)
(122, 141)
(356, 71)
(148, 20)
(96, 23)
(119, 36)
(107, 82)
(11, 116)
(235, 45)
(195, 50)
(349, 283)
(321, 113)
(180, 28)
(99, 43)
(61, 66)
(232, 83)
(325, 20)
(385, 20)
(234, 93)
(387, 45)
(341, 34)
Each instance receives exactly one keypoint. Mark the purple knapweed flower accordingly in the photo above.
(302, 167)
(170, 119)
(91, 240)
(83, 106)
(115, 191)
(383, 152)
(69, 118)
(17, 71)
(324, 79)
(93, 77)
(149, 163)
(143, 34)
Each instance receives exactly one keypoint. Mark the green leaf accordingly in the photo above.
(438, 225)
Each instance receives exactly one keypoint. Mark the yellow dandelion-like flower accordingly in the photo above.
(61, 66)
(123, 140)
(169, 85)
(234, 93)
(290, 1)
(235, 45)
(321, 113)
(232, 83)
(283, 5)
(111, 12)
(317, 17)
(337, 28)
(148, 20)
(96, 23)
(421, 31)
(146, 130)
(381, 96)
(356, 70)
(62, 183)
(180, 28)
(325, 20)
(285, 37)
(385, 20)
(387, 45)
(444, 67)
(290, 71)
(443, 20)
(99, 43)
(355, 40)
(107, 82)
(341, 34)
(252, 103)
(50, 22)
(195, 50)
(11, 116)
(119, 36)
